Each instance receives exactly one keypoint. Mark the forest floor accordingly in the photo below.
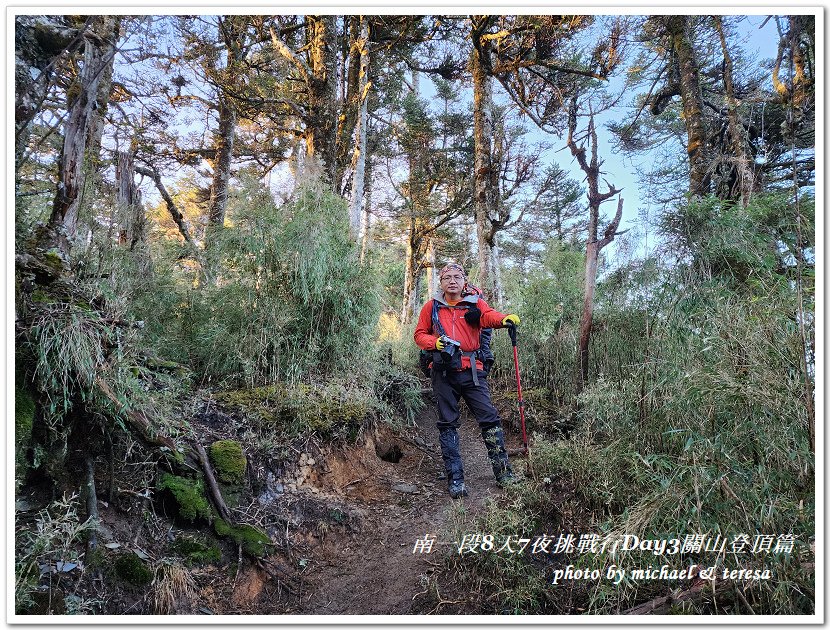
(376, 569)
(344, 520)
(386, 494)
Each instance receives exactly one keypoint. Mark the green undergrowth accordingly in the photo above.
(253, 540)
(616, 491)
(503, 582)
(130, 568)
(24, 415)
(86, 369)
(696, 421)
(55, 537)
(196, 550)
(331, 410)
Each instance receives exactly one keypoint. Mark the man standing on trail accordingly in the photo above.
(449, 325)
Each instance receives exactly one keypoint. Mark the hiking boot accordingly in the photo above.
(497, 454)
(451, 453)
(457, 490)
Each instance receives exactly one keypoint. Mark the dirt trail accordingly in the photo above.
(374, 571)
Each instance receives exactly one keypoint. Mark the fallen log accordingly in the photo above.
(138, 420)
(141, 424)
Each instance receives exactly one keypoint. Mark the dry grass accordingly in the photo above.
(173, 585)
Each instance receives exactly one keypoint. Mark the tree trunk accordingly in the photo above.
(745, 183)
(367, 215)
(40, 44)
(222, 163)
(93, 165)
(483, 195)
(350, 97)
(132, 219)
(322, 97)
(432, 269)
(595, 200)
(410, 279)
(359, 156)
(586, 322)
(125, 193)
(692, 97)
(495, 270)
(175, 213)
(99, 47)
(798, 34)
(99, 111)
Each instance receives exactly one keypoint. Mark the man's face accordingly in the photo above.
(452, 281)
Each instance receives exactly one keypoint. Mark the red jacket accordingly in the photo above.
(455, 326)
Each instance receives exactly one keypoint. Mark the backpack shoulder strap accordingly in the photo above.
(436, 323)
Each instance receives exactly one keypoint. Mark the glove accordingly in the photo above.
(473, 316)
(510, 319)
(440, 344)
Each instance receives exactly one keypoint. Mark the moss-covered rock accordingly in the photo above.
(196, 551)
(189, 496)
(130, 568)
(229, 460)
(55, 261)
(253, 540)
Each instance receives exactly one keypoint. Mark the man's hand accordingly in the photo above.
(510, 319)
(473, 316)
(439, 344)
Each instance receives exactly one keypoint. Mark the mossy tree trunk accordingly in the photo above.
(42, 46)
(99, 48)
(680, 28)
(483, 130)
(358, 164)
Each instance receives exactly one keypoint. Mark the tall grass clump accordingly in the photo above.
(291, 299)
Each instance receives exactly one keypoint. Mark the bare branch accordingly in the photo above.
(611, 230)
(286, 52)
(178, 218)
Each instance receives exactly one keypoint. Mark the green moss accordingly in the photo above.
(331, 410)
(132, 569)
(197, 551)
(229, 461)
(189, 495)
(24, 417)
(94, 558)
(232, 494)
(253, 540)
(54, 262)
(39, 296)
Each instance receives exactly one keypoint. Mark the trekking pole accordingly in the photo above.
(511, 330)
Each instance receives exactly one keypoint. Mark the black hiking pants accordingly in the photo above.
(450, 389)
